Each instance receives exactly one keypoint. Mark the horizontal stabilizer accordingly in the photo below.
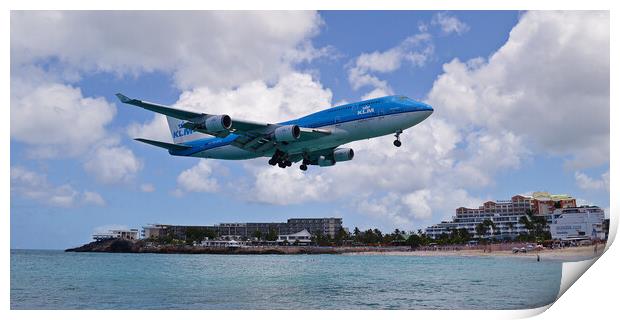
(165, 110)
(165, 145)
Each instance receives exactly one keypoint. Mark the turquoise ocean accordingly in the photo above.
(48, 279)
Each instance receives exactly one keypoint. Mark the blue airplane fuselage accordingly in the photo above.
(347, 123)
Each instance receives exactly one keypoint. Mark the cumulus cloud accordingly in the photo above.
(90, 197)
(293, 95)
(251, 49)
(414, 50)
(490, 115)
(57, 119)
(276, 186)
(198, 178)
(585, 182)
(408, 209)
(113, 164)
(35, 186)
(220, 49)
(527, 88)
(449, 24)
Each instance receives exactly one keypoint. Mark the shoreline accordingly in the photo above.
(563, 254)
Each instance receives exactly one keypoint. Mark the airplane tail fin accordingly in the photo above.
(181, 135)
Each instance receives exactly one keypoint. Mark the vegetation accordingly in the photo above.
(536, 228)
(198, 234)
(257, 234)
(272, 235)
(535, 225)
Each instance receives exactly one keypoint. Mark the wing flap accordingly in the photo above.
(251, 126)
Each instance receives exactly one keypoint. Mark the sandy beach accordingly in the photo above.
(564, 254)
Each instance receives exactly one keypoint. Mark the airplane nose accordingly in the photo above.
(429, 108)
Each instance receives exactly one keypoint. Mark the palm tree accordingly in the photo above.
(511, 226)
(525, 222)
(489, 224)
(481, 229)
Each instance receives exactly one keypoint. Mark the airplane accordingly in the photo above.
(314, 139)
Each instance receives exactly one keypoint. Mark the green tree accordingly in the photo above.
(464, 235)
(414, 241)
(525, 221)
(272, 235)
(257, 234)
(397, 235)
(510, 226)
(341, 235)
(481, 229)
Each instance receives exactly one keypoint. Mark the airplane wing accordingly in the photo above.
(175, 113)
(252, 136)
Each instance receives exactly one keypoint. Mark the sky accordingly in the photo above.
(521, 104)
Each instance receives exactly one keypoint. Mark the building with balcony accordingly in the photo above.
(247, 230)
(578, 223)
(505, 214)
(125, 234)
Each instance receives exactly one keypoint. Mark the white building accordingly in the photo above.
(126, 234)
(578, 223)
(223, 243)
(505, 214)
(301, 237)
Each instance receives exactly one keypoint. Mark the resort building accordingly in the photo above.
(580, 223)
(302, 237)
(505, 214)
(126, 234)
(544, 203)
(325, 226)
(154, 231)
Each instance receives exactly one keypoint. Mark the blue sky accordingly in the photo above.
(508, 89)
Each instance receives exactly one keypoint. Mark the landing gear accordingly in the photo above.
(397, 142)
(276, 158)
(303, 167)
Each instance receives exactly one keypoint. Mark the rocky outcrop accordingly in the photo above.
(138, 246)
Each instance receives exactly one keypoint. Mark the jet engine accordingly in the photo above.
(343, 154)
(287, 133)
(218, 123)
(339, 155)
